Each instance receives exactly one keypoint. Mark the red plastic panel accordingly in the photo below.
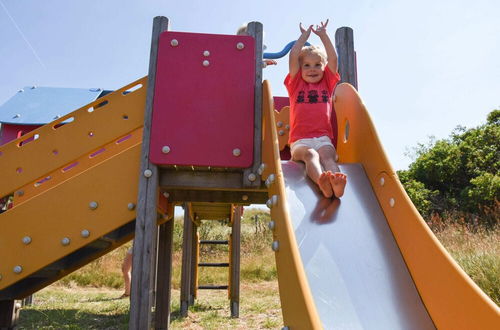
(10, 132)
(203, 112)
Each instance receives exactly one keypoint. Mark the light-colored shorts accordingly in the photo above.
(314, 143)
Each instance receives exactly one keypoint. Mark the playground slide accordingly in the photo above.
(369, 259)
(74, 187)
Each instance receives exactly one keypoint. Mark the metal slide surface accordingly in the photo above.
(353, 265)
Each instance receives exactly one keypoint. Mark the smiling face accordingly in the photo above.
(312, 67)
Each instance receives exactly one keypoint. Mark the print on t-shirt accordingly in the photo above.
(313, 97)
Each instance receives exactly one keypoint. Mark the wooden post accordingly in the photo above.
(235, 263)
(164, 278)
(187, 255)
(255, 29)
(194, 264)
(344, 42)
(146, 229)
(9, 314)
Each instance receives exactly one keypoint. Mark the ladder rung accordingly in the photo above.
(212, 287)
(214, 242)
(213, 264)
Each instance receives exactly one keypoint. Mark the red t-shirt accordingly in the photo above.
(311, 106)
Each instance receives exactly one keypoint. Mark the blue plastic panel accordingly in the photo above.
(41, 105)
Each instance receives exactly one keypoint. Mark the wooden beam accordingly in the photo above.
(235, 263)
(344, 42)
(164, 278)
(256, 30)
(187, 255)
(218, 196)
(146, 231)
(200, 179)
(9, 314)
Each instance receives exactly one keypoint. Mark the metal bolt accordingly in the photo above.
(166, 194)
(174, 42)
(240, 45)
(206, 53)
(252, 177)
(271, 225)
(57, 117)
(206, 63)
(270, 180)
(85, 233)
(148, 173)
(275, 246)
(287, 126)
(18, 269)
(20, 193)
(17, 115)
(236, 152)
(281, 132)
(272, 201)
(65, 241)
(20, 91)
(93, 205)
(382, 181)
(33, 87)
(392, 202)
(165, 149)
(95, 89)
(279, 124)
(131, 206)
(261, 169)
(244, 197)
(26, 240)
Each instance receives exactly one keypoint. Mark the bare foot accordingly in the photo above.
(338, 181)
(325, 185)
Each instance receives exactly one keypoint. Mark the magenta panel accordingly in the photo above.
(10, 132)
(203, 109)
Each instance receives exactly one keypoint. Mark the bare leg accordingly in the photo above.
(126, 271)
(337, 179)
(313, 169)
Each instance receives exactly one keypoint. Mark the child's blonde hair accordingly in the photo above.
(306, 50)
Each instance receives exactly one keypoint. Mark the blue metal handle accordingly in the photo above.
(273, 56)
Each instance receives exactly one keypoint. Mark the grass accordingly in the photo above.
(88, 298)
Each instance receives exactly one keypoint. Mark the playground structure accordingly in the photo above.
(112, 170)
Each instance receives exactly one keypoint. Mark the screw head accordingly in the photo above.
(20, 193)
(252, 177)
(93, 205)
(240, 45)
(17, 115)
(275, 246)
(236, 152)
(279, 124)
(18, 269)
(65, 241)
(206, 53)
(270, 180)
(206, 63)
(244, 197)
(392, 202)
(85, 233)
(148, 173)
(271, 225)
(281, 132)
(261, 169)
(166, 194)
(131, 206)
(382, 181)
(287, 126)
(165, 149)
(272, 201)
(26, 240)
(174, 42)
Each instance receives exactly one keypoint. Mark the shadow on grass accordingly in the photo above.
(70, 318)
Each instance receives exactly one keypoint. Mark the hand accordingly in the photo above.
(308, 31)
(270, 62)
(321, 29)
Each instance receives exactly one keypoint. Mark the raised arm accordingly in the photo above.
(331, 54)
(293, 61)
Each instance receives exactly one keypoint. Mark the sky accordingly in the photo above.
(424, 67)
